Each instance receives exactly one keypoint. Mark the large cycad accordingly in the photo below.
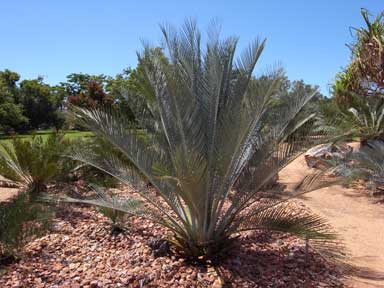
(210, 117)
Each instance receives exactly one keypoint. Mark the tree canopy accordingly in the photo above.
(364, 75)
(33, 104)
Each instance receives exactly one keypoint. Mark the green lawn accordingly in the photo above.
(70, 134)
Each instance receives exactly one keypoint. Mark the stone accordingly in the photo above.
(318, 156)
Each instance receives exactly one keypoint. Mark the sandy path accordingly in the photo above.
(7, 193)
(359, 222)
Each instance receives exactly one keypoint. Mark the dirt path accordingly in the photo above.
(7, 193)
(359, 222)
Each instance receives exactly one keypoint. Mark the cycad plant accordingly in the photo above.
(209, 119)
(364, 119)
(20, 220)
(33, 162)
(365, 164)
(116, 216)
(367, 120)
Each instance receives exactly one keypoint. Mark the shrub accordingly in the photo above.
(90, 174)
(117, 218)
(364, 119)
(366, 164)
(20, 219)
(99, 178)
(209, 120)
(34, 162)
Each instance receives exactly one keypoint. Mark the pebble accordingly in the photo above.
(84, 254)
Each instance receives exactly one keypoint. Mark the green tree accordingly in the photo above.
(365, 74)
(8, 80)
(118, 87)
(12, 118)
(356, 109)
(41, 103)
(132, 89)
(11, 112)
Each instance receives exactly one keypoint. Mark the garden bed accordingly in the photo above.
(82, 252)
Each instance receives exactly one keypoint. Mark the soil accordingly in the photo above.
(7, 193)
(355, 216)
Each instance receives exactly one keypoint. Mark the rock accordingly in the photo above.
(73, 266)
(57, 267)
(218, 283)
(317, 156)
(160, 247)
(94, 284)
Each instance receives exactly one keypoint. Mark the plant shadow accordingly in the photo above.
(261, 258)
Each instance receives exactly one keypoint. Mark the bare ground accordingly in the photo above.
(358, 220)
(7, 193)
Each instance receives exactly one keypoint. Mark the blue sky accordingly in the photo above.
(55, 38)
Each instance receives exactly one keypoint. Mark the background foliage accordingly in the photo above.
(34, 105)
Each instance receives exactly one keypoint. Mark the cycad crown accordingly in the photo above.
(210, 117)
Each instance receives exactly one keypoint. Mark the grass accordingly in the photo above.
(70, 134)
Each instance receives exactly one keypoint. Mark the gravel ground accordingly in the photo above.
(80, 251)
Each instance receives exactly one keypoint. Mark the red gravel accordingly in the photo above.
(81, 252)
